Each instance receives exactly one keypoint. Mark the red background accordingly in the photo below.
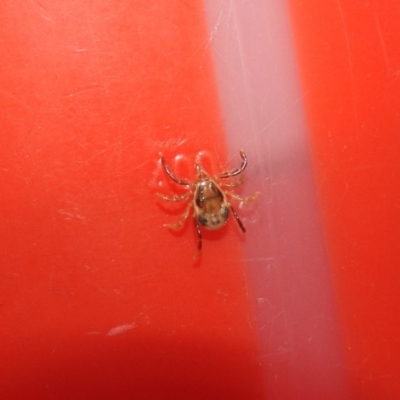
(349, 62)
(90, 92)
(96, 298)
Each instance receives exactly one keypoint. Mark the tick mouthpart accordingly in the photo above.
(201, 173)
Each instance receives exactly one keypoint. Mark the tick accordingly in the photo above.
(209, 198)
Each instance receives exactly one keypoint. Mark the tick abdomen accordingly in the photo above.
(211, 206)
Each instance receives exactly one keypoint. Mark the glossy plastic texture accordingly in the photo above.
(318, 343)
(287, 263)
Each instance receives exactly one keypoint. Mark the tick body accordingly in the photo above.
(211, 207)
(208, 198)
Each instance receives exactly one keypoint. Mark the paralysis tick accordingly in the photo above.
(209, 198)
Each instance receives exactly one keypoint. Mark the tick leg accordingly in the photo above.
(235, 214)
(174, 198)
(199, 235)
(244, 199)
(182, 221)
(183, 182)
(232, 184)
(236, 171)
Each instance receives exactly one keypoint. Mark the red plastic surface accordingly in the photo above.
(288, 268)
(349, 58)
(97, 299)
